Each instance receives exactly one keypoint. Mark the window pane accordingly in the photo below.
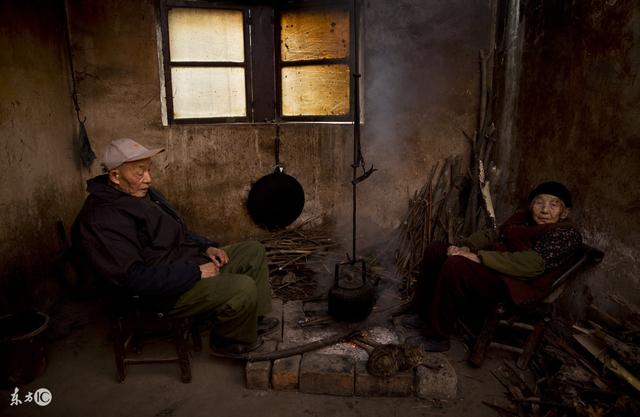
(208, 92)
(315, 90)
(206, 35)
(314, 34)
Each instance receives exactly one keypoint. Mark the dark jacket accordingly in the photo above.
(140, 245)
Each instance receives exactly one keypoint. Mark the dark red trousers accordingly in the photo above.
(449, 286)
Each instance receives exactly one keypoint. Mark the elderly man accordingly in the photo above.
(131, 235)
(517, 262)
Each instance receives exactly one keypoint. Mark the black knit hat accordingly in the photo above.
(552, 188)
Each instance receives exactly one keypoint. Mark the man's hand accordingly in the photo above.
(218, 256)
(463, 251)
(209, 270)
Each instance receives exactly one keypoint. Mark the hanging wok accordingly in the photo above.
(276, 199)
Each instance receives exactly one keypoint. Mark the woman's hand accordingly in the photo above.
(218, 256)
(208, 270)
(457, 250)
(463, 251)
(471, 256)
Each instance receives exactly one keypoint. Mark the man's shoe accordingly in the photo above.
(429, 344)
(267, 325)
(234, 350)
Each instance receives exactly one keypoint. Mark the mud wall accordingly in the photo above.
(579, 122)
(41, 182)
(420, 90)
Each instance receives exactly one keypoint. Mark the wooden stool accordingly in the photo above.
(531, 317)
(130, 324)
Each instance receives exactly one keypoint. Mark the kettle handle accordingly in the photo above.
(337, 271)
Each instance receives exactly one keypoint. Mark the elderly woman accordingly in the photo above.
(517, 262)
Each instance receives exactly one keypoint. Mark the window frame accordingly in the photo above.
(263, 89)
(350, 60)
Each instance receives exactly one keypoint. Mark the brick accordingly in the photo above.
(367, 385)
(327, 374)
(285, 373)
(258, 374)
(440, 383)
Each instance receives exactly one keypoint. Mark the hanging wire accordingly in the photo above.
(86, 153)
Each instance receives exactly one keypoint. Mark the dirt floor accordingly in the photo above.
(81, 378)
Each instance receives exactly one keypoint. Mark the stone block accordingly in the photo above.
(285, 373)
(327, 374)
(291, 332)
(367, 385)
(258, 374)
(276, 312)
(438, 380)
(316, 308)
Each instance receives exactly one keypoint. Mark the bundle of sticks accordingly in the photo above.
(586, 370)
(434, 214)
(295, 256)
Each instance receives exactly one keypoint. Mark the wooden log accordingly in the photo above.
(599, 350)
(627, 352)
(604, 319)
(297, 350)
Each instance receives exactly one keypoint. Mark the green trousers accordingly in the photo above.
(234, 299)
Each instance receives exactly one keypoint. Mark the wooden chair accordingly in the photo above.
(537, 314)
(131, 321)
(130, 324)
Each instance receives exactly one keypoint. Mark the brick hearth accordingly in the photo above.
(340, 369)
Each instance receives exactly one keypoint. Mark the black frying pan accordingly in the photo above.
(276, 199)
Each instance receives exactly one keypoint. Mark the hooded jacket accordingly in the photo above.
(140, 245)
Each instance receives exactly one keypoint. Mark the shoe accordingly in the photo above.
(234, 350)
(267, 325)
(429, 344)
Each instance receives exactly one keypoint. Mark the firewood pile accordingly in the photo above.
(455, 200)
(434, 214)
(295, 256)
(586, 370)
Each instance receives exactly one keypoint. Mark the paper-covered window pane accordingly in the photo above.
(208, 92)
(314, 34)
(206, 35)
(315, 90)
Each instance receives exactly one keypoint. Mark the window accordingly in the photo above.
(225, 62)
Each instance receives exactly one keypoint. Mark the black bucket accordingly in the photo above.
(22, 355)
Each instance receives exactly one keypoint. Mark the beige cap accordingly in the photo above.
(124, 150)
